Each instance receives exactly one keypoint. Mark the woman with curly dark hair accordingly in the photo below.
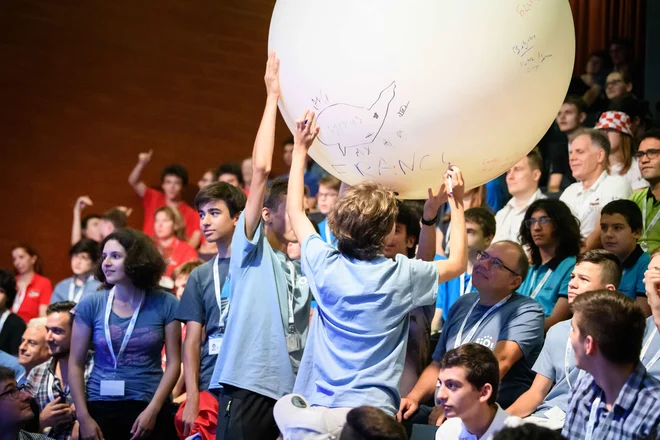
(552, 235)
(127, 393)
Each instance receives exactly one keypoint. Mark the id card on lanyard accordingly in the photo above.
(459, 337)
(646, 347)
(541, 283)
(465, 289)
(18, 302)
(73, 296)
(116, 387)
(215, 340)
(293, 341)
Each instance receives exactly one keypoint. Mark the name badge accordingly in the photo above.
(112, 387)
(215, 342)
(33, 294)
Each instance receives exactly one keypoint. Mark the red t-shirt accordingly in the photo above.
(153, 200)
(26, 304)
(178, 253)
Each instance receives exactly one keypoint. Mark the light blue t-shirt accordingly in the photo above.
(9, 361)
(199, 304)
(325, 233)
(520, 320)
(548, 288)
(357, 345)
(254, 353)
(62, 290)
(140, 365)
(654, 348)
(552, 365)
(450, 291)
(632, 279)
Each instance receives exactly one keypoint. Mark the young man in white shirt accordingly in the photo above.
(594, 188)
(522, 181)
(467, 389)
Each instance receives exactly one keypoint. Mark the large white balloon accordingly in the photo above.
(404, 87)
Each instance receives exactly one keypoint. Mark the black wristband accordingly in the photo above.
(430, 222)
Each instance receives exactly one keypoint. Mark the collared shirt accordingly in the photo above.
(649, 360)
(546, 288)
(454, 428)
(652, 236)
(632, 280)
(510, 218)
(24, 435)
(634, 414)
(40, 378)
(37, 293)
(587, 203)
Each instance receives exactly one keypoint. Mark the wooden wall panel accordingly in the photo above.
(85, 85)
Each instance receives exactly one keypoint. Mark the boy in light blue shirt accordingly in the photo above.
(83, 255)
(650, 355)
(548, 397)
(620, 228)
(356, 348)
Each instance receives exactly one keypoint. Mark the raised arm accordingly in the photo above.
(262, 152)
(306, 132)
(76, 228)
(134, 178)
(426, 247)
(456, 264)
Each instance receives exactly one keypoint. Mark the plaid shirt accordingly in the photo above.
(37, 385)
(634, 415)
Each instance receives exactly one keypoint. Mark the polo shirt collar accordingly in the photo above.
(511, 204)
(632, 258)
(649, 195)
(600, 180)
(554, 263)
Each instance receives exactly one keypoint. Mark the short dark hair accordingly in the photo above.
(87, 218)
(175, 170)
(528, 431)
(6, 374)
(597, 137)
(614, 321)
(610, 265)
(370, 423)
(229, 168)
(480, 365)
(577, 101)
(483, 218)
(8, 287)
(288, 141)
(143, 265)
(409, 216)
(330, 181)
(275, 192)
(567, 229)
(631, 106)
(186, 269)
(117, 217)
(653, 133)
(233, 197)
(32, 252)
(628, 209)
(522, 263)
(62, 307)
(535, 160)
(86, 246)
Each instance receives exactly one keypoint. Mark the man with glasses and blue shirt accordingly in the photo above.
(15, 409)
(495, 316)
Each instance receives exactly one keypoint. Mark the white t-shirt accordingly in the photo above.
(453, 429)
(587, 203)
(633, 175)
(509, 218)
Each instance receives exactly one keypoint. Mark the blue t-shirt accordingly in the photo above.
(325, 233)
(199, 304)
(654, 348)
(63, 289)
(254, 354)
(450, 291)
(632, 279)
(495, 193)
(548, 289)
(9, 361)
(140, 364)
(520, 320)
(357, 344)
(551, 364)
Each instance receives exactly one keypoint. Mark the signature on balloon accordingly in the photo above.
(524, 7)
(396, 167)
(524, 47)
(533, 62)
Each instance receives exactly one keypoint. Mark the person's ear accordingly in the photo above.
(583, 116)
(536, 175)
(610, 287)
(410, 241)
(236, 217)
(590, 347)
(485, 393)
(488, 240)
(266, 214)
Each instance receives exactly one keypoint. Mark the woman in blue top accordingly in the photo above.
(127, 393)
(552, 235)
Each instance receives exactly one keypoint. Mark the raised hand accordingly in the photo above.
(306, 131)
(272, 76)
(82, 203)
(144, 158)
(434, 202)
(457, 190)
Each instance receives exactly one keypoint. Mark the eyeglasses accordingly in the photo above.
(614, 82)
(15, 392)
(530, 222)
(651, 153)
(494, 262)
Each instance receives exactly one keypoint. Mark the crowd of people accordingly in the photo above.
(300, 307)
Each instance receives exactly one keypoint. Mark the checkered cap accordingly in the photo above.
(614, 120)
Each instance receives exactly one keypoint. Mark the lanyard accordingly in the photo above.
(290, 294)
(459, 337)
(593, 414)
(129, 330)
(465, 289)
(19, 300)
(646, 229)
(541, 283)
(72, 288)
(50, 383)
(3, 318)
(328, 237)
(647, 344)
(567, 358)
(218, 293)
(447, 235)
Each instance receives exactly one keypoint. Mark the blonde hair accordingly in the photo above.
(186, 269)
(175, 216)
(361, 220)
